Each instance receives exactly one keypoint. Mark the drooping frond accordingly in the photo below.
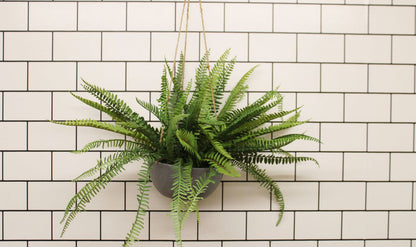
(108, 161)
(181, 187)
(79, 202)
(265, 181)
(143, 205)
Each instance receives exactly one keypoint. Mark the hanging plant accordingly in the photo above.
(202, 128)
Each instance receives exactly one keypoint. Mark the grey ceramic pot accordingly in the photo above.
(161, 175)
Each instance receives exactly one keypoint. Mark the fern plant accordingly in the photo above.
(199, 128)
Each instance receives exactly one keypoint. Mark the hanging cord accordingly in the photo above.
(185, 5)
(206, 52)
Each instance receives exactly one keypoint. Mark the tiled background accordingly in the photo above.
(350, 63)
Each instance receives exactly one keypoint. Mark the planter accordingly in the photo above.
(161, 175)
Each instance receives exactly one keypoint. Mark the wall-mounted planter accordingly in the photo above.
(161, 175)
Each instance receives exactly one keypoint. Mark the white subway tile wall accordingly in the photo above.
(349, 65)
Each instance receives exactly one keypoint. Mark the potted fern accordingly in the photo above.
(200, 129)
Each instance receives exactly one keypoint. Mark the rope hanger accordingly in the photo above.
(186, 4)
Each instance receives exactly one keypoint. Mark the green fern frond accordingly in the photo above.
(120, 108)
(111, 143)
(118, 157)
(181, 185)
(265, 181)
(90, 190)
(222, 164)
(98, 125)
(153, 109)
(143, 205)
(188, 141)
(98, 106)
(236, 95)
(272, 159)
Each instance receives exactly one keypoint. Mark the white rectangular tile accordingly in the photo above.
(381, 77)
(312, 104)
(367, 49)
(392, 20)
(85, 226)
(50, 195)
(262, 225)
(102, 16)
(364, 225)
(402, 166)
(77, 46)
(52, 76)
(108, 75)
(400, 104)
(109, 198)
(37, 106)
(298, 196)
(353, 136)
(390, 137)
(144, 76)
(389, 196)
(115, 225)
(387, 243)
(287, 77)
(294, 243)
(245, 196)
(143, 16)
(246, 244)
(53, 16)
(161, 227)
(213, 14)
(272, 47)
(367, 107)
(13, 76)
(219, 42)
(126, 46)
(67, 166)
(342, 196)
(403, 2)
(27, 225)
(320, 48)
(366, 166)
(51, 244)
(344, 19)
(248, 17)
(404, 49)
(13, 136)
(402, 224)
(45, 136)
(296, 18)
(344, 78)
(341, 243)
(67, 107)
(222, 225)
(19, 166)
(27, 46)
(14, 195)
(329, 227)
(164, 44)
(13, 16)
(330, 167)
